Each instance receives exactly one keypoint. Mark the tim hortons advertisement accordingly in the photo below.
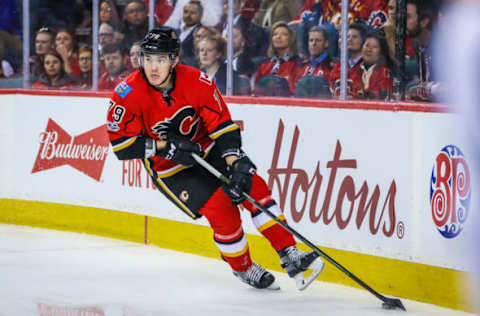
(361, 180)
(364, 207)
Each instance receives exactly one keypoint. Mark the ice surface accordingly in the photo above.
(46, 272)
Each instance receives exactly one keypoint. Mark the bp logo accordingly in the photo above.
(450, 191)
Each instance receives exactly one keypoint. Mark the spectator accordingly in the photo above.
(372, 79)
(222, 24)
(135, 24)
(308, 6)
(65, 45)
(389, 30)
(106, 35)
(60, 14)
(249, 8)
(11, 48)
(273, 11)
(44, 42)
(54, 75)
(134, 54)
(318, 62)
(283, 55)
(192, 14)
(210, 17)
(202, 32)
(83, 30)
(115, 63)
(211, 55)
(257, 38)
(108, 13)
(371, 12)
(84, 80)
(420, 21)
(355, 38)
(308, 19)
(242, 58)
(199, 33)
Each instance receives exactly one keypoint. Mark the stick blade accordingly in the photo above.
(393, 303)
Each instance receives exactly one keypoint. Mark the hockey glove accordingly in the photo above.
(241, 173)
(179, 149)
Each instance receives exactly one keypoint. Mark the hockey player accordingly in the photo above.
(164, 112)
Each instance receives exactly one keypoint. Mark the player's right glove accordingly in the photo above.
(179, 149)
(241, 173)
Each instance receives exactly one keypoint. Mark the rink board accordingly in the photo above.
(328, 165)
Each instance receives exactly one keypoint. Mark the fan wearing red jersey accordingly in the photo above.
(372, 79)
(164, 112)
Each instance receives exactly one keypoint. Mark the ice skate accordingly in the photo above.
(296, 262)
(257, 277)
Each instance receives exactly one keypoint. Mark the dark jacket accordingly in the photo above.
(187, 53)
(241, 85)
(132, 33)
(64, 83)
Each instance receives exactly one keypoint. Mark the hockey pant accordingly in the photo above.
(224, 218)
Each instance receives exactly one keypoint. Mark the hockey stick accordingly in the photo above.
(388, 303)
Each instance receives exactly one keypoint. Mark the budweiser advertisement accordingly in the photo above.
(86, 152)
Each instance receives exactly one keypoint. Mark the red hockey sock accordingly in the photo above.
(224, 218)
(276, 234)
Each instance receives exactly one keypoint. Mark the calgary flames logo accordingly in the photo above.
(185, 122)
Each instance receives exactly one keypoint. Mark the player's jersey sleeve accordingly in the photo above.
(216, 117)
(124, 125)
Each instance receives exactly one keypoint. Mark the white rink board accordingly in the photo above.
(392, 151)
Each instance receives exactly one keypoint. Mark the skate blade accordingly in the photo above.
(273, 287)
(316, 267)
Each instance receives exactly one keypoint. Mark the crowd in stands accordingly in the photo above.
(280, 47)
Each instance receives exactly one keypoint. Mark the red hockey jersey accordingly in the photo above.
(372, 83)
(286, 70)
(334, 78)
(322, 69)
(193, 108)
(374, 12)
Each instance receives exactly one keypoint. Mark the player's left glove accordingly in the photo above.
(241, 173)
(179, 149)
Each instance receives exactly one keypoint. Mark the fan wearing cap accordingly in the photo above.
(162, 113)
